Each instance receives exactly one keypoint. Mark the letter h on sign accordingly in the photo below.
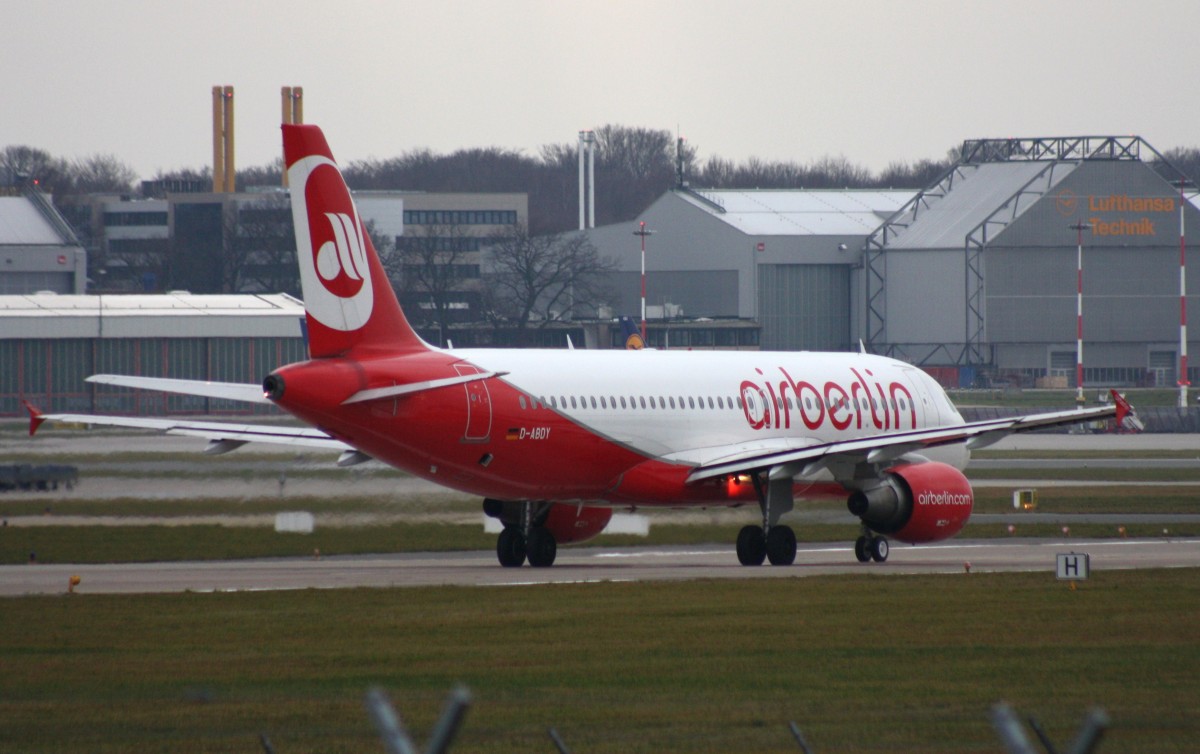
(1073, 566)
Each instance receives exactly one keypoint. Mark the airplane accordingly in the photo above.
(555, 440)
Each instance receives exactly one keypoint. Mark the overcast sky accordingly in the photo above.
(874, 81)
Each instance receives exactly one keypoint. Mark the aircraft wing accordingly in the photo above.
(222, 437)
(889, 447)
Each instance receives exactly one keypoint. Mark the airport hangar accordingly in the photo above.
(972, 278)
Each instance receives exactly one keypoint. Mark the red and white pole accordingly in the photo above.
(641, 231)
(1079, 228)
(1183, 359)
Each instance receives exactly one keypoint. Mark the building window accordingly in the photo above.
(460, 217)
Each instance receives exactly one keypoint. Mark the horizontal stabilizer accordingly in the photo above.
(393, 391)
(232, 391)
(222, 436)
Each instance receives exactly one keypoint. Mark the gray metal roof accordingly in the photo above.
(22, 225)
(978, 192)
(801, 212)
(162, 316)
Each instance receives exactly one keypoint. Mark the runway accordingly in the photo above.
(584, 565)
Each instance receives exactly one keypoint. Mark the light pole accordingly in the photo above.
(641, 231)
(1079, 228)
(1183, 183)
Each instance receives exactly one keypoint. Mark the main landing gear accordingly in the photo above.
(513, 547)
(777, 545)
(773, 541)
(524, 536)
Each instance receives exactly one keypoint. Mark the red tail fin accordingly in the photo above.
(35, 417)
(347, 298)
(1127, 418)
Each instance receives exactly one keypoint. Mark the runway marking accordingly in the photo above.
(565, 581)
(656, 554)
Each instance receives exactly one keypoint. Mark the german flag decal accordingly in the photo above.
(514, 433)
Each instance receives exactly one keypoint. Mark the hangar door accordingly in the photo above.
(804, 307)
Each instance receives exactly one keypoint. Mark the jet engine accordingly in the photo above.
(573, 523)
(924, 502)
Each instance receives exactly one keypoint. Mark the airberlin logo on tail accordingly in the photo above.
(342, 261)
(329, 241)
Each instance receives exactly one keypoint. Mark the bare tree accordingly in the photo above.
(432, 267)
(24, 163)
(270, 175)
(261, 247)
(101, 174)
(542, 278)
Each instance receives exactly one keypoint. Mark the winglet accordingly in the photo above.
(36, 419)
(1123, 409)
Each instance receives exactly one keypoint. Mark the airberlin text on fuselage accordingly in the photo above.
(850, 403)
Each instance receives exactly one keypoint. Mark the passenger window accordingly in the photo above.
(672, 401)
(521, 401)
(643, 400)
(691, 402)
(573, 404)
(622, 401)
(593, 401)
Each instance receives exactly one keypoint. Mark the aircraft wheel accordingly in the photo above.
(781, 545)
(879, 549)
(542, 548)
(862, 549)
(510, 548)
(751, 546)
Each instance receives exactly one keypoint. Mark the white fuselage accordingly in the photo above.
(693, 406)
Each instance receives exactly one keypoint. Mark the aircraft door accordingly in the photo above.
(479, 406)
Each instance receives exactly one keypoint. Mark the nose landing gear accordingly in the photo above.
(870, 547)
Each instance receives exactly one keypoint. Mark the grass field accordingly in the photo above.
(861, 663)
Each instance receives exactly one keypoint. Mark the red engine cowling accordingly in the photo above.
(923, 502)
(571, 523)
